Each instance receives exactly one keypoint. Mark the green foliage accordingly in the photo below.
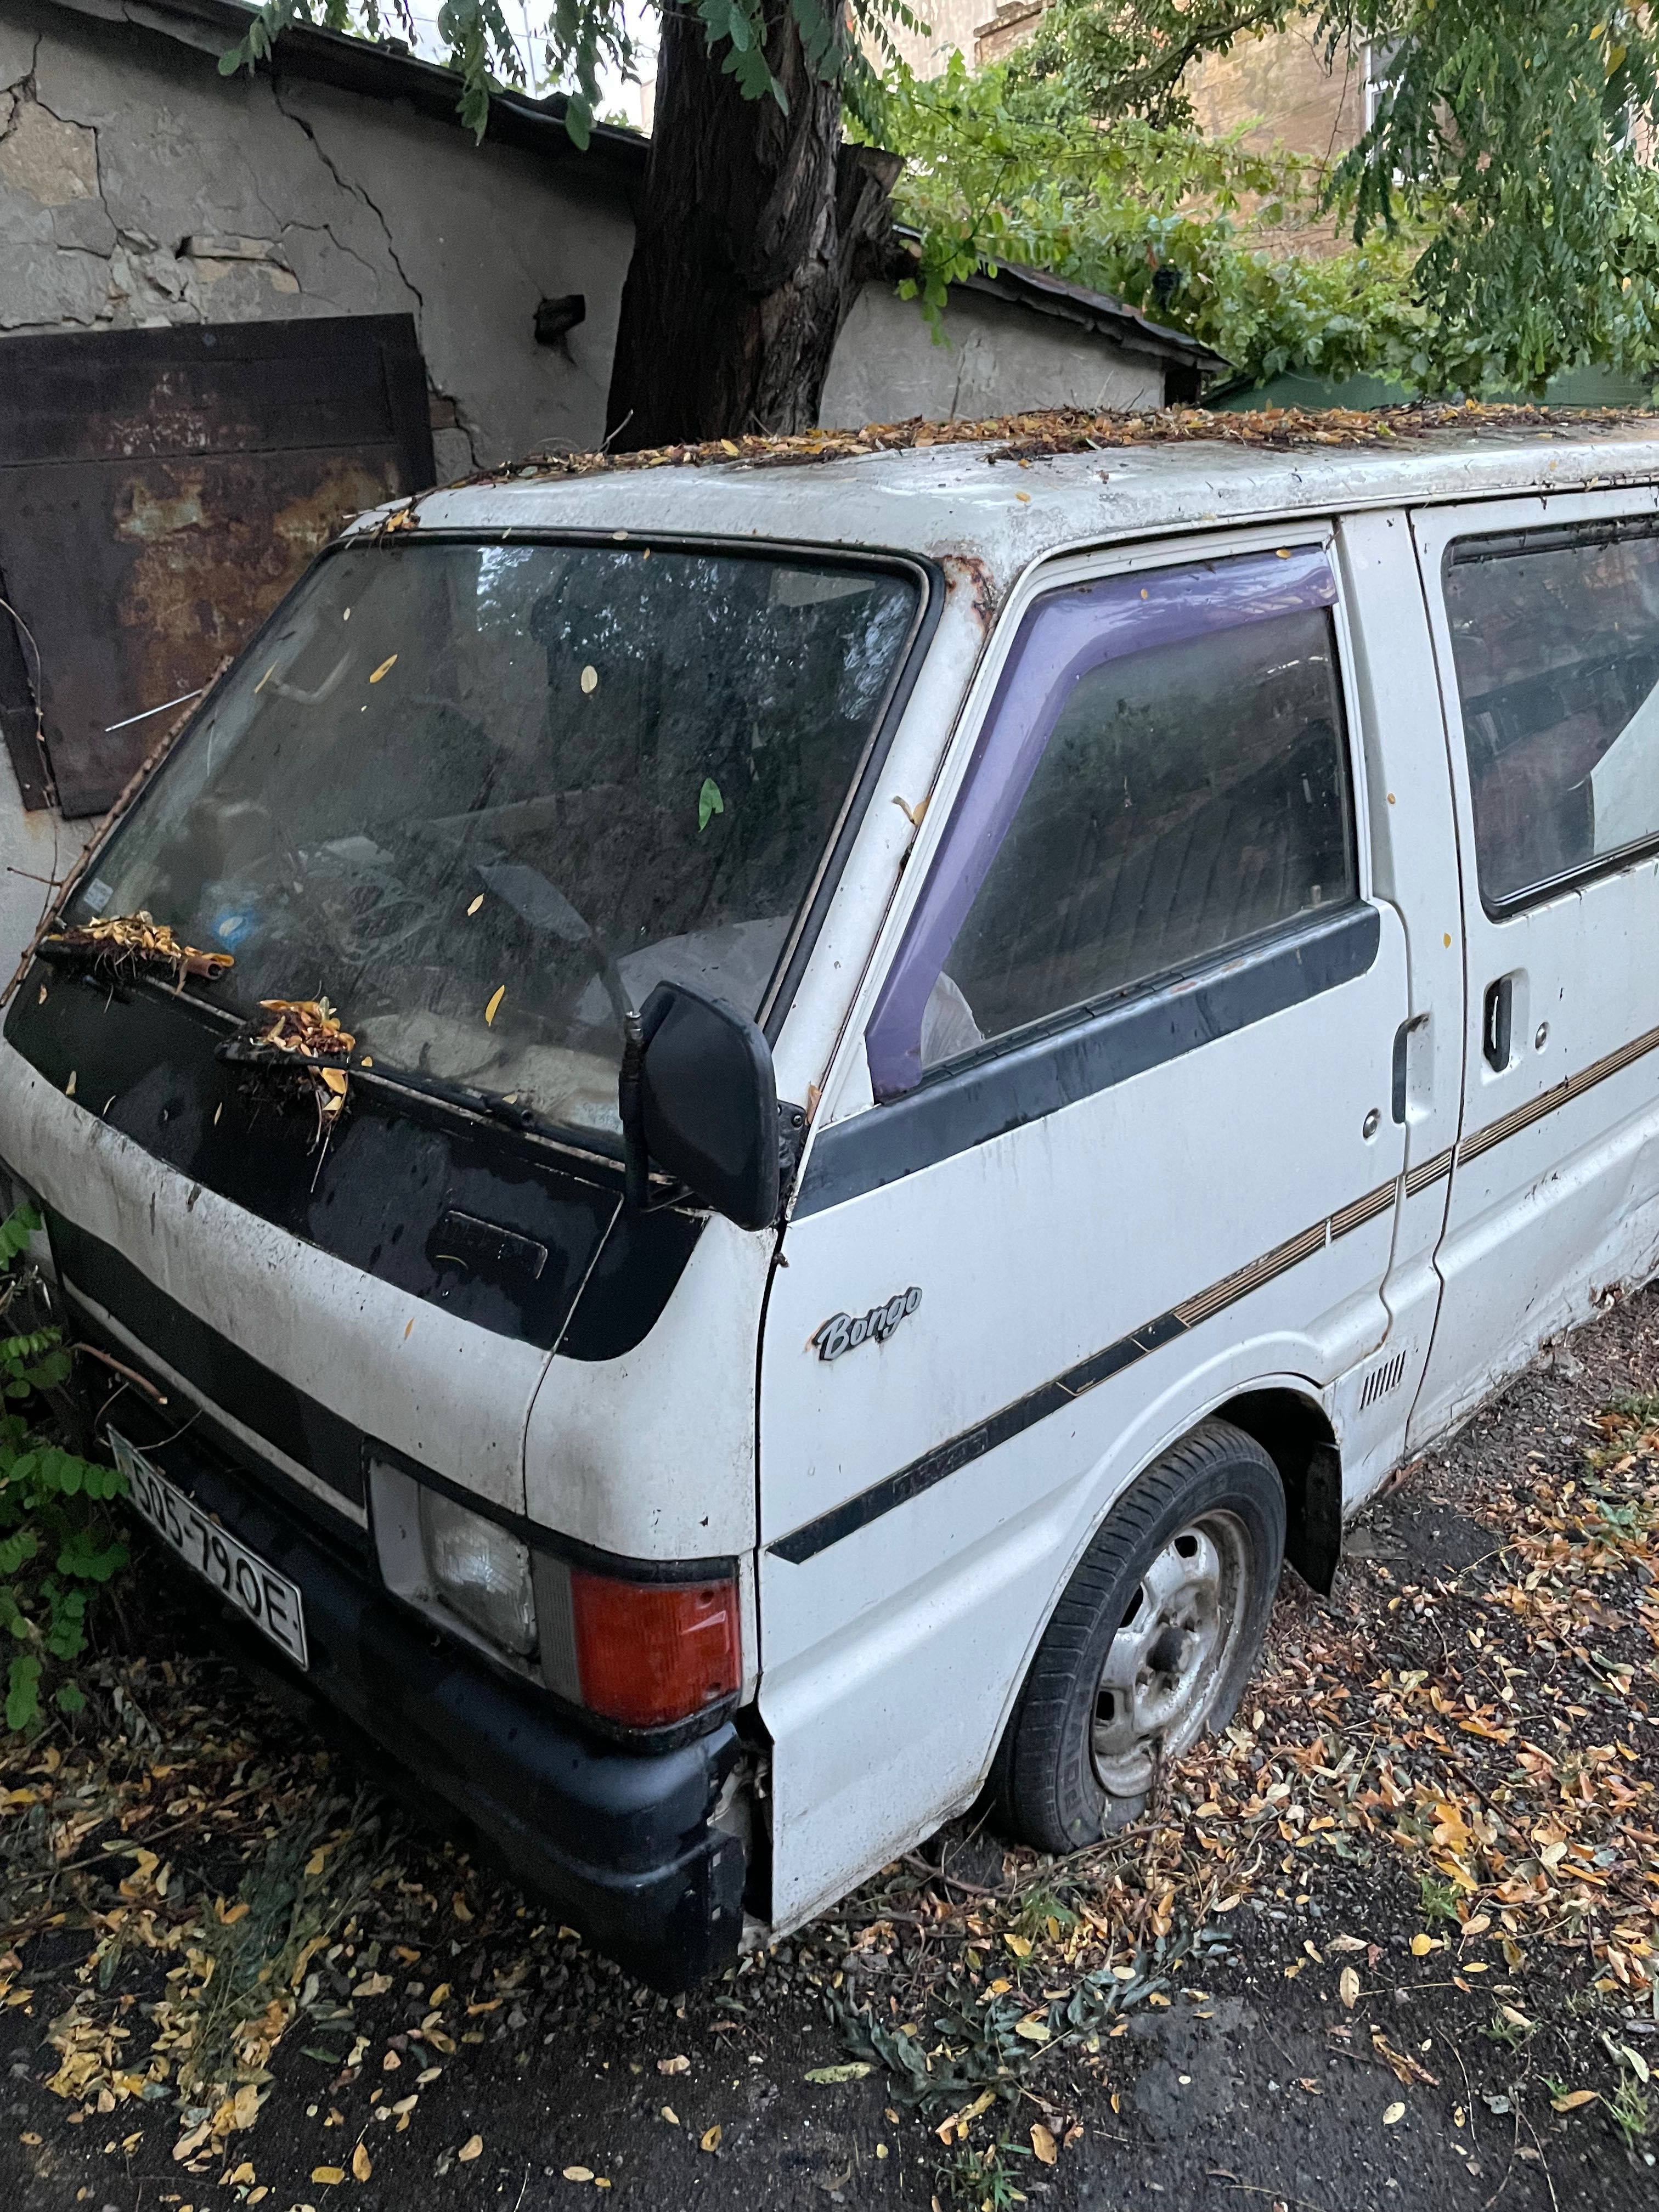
(1517, 128)
(58, 1543)
(1002, 166)
(1505, 220)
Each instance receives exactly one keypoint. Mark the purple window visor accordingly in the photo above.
(1060, 639)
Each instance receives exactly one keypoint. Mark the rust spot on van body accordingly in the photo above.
(967, 574)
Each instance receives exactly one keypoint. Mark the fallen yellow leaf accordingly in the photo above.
(244, 2172)
(471, 2148)
(328, 2175)
(579, 2174)
(1573, 2099)
(1042, 2143)
(711, 2139)
(490, 1012)
(476, 904)
(235, 1913)
(590, 680)
(671, 2116)
(362, 2165)
(1396, 2112)
(385, 669)
(678, 2064)
(1421, 1946)
(1019, 1945)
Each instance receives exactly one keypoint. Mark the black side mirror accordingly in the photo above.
(698, 1096)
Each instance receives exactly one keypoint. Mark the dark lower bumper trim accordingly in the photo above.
(620, 1842)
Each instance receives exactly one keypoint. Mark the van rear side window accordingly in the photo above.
(1191, 791)
(1555, 636)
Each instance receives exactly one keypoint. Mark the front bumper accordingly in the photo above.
(622, 1843)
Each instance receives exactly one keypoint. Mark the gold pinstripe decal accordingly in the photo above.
(1560, 1094)
(1429, 1171)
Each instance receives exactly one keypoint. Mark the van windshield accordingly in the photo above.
(483, 797)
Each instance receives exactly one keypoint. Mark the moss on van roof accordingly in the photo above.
(1075, 430)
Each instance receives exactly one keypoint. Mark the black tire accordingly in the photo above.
(1058, 1779)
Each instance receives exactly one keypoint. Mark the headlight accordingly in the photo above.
(480, 1571)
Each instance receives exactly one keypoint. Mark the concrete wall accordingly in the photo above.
(139, 187)
(998, 358)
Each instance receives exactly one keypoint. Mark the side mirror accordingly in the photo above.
(698, 1096)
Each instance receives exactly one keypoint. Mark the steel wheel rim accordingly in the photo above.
(1172, 1650)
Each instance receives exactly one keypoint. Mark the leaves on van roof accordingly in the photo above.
(132, 943)
(1050, 431)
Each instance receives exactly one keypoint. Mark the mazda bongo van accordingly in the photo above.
(849, 1097)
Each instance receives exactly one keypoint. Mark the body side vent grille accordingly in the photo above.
(1383, 1379)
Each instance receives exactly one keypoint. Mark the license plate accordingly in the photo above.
(269, 1601)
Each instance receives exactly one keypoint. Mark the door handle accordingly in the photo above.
(1400, 1086)
(1495, 1020)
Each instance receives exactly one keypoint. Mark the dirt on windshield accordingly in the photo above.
(1388, 1942)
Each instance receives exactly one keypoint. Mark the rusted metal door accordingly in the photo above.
(159, 490)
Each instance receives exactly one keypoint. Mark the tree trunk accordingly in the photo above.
(758, 227)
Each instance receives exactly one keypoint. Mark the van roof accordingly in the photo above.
(998, 495)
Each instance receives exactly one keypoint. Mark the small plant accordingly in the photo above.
(1630, 2111)
(1629, 2106)
(1511, 2027)
(1043, 1910)
(58, 1543)
(1439, 1899)
(980, 2179)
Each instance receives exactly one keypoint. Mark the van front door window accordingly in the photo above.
(1174, 784)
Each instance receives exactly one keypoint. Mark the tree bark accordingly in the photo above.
(757, 228)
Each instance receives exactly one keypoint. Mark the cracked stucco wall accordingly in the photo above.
(999, 357)
(138, 187)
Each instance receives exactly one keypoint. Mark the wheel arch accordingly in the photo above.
(1295, 1431)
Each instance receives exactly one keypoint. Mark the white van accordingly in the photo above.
(952, 1056)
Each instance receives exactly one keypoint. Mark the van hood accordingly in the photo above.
(197, 1209)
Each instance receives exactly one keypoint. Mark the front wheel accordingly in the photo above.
(1159, 1631)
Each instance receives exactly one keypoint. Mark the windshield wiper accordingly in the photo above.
(492, 1105)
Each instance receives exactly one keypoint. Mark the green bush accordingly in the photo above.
(59, 1543)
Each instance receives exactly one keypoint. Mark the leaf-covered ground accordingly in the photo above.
(1390, 1942)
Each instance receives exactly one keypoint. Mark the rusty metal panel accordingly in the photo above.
(159, 490)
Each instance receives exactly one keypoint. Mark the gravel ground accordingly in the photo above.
(1387, 1943)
